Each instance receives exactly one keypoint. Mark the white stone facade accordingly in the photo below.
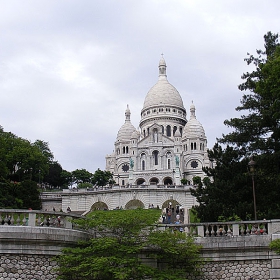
(166, 148)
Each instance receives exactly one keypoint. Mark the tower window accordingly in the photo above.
(143, 164)
(155, 156)
(168, 130)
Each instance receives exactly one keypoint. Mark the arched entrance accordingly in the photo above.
(154, 181)
(140, 181)
(168, 181)
(172, 206)
(134, 204)
(99, 206)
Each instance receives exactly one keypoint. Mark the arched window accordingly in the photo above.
(162, 127)
(168, 164)
(123, 150)
(194, 145)
(127, 149)
(191, 146)
(181, 131)
(174, 130)
(168, 130)
(155, 156)
(143, 164)
(148, 131)
(144, 131)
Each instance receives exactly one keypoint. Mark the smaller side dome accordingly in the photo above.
(193, 128)
(135, 135)
(127, 129)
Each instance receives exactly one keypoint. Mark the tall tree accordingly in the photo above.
(121, 238)
(81, 176)
(228, 194)
(102, 178)
(256, 132)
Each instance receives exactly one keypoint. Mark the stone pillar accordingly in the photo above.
(177, 176)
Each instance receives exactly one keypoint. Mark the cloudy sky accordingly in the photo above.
(69, 68)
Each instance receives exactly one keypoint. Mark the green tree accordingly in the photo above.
(67, 179)
(54, 178)
(102, 178)
(229, 193)
(21, 165)
(81, 176)
(122, 237)
(256, 132)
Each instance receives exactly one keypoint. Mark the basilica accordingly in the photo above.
(168, 147)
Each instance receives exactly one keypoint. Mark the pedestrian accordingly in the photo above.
(163, 217)
(169, 216)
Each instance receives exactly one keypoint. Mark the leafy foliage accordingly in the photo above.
(122, 238)
(275, 245)
(256, 132)
(102, 178)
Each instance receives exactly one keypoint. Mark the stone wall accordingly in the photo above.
(237, 270)
(22, 267)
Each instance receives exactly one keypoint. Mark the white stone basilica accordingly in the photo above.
(166, 148)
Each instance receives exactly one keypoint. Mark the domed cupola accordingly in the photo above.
(126, 129)
(163, 101)
(135, 135)
(193, 128)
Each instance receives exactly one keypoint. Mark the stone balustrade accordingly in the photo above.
(234, 250)
(134, 187)
(222, 229)
(35, 218)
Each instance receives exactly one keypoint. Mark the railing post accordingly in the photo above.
(68, 223)
(235, 229)
(200, 230)
(31, 219)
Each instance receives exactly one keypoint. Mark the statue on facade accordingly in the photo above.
(131, 163)
(177, 161)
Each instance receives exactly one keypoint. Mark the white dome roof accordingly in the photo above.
(135, 134)
(193, 128)
(127, 129)
(163, 93)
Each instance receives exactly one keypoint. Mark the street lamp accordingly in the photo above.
(251, 166)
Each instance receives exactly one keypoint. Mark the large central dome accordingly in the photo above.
(163, 93)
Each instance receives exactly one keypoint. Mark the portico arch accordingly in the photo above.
(168, 181)
(134, 204)
(154, 181)
(99, 206)
(140, 181)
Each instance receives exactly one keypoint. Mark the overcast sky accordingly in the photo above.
(69, 68)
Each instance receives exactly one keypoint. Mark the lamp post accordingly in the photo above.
(251, 166)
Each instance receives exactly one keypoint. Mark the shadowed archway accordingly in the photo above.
(99, 206)
(134, 204)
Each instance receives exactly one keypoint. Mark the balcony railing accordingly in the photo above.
(227, 229)
(35, 218)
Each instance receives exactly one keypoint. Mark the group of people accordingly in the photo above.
(174, 215)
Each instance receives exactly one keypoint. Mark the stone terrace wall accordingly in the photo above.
(22, 267)
(237, 270)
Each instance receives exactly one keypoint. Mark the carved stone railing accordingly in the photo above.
(118, 187)
(230, 229)
(36, 218)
